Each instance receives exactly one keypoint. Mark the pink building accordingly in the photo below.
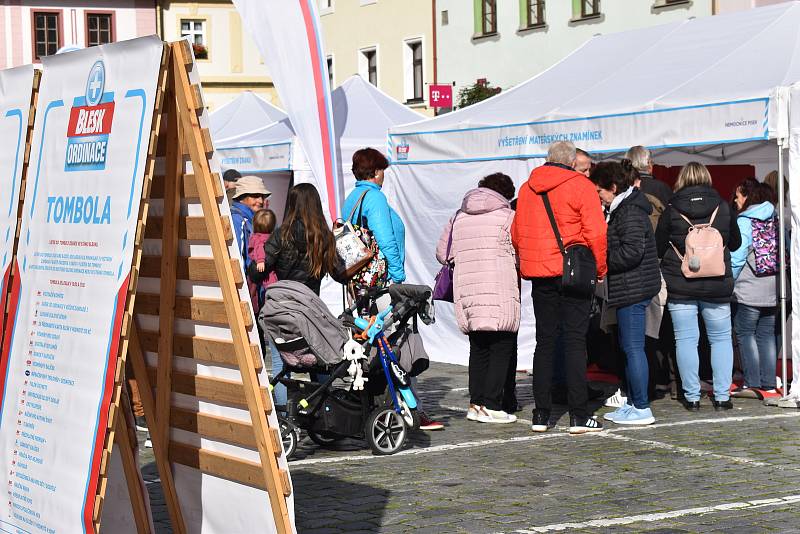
(30, 30)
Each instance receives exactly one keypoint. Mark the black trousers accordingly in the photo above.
(555, 312)
(489, 356)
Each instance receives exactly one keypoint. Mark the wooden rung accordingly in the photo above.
(214, 389)
(189, 186)
(218, 464)
(192, 308)
(275, 435)
(208, 144)
(201, 348)
(98, 506)
(194, 269)
(188, 228)
(286, 484)
(98, 500)
(214, 427)
(187, 52)
(197, 97)
(104, 461)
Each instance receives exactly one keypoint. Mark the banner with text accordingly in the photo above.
(87, 163)
(267, 158)
(727, 122)
(16, 86)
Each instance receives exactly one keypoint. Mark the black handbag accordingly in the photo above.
(580, 268)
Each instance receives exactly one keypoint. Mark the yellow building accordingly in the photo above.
(228, 59)
(388, 42)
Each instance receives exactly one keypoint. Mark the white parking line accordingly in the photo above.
(650, 518)
(535, 437)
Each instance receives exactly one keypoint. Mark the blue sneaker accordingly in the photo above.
(635, 416)
(622, 410)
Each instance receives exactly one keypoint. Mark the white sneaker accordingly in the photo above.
(617, 400)
(485, 415)
(472, 413)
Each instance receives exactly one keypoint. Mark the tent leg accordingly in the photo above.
(782, 263)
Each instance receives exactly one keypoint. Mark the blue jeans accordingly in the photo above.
(755, 330)
(279, 394)
(631, 321)
(717, 318)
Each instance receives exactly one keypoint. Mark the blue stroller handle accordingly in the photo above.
(377, 326)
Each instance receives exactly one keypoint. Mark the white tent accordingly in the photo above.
(716, 89)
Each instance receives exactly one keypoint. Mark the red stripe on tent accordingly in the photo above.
(324, 126)
(108, 390)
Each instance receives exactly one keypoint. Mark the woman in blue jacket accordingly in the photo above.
(382, 220)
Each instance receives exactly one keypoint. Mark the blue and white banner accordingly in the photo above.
(725, 122)
(257, 159)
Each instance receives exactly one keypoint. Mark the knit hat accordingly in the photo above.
(250, 185)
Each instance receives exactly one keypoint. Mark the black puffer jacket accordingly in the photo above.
(697, 203)
(633, 273)
(288, 260)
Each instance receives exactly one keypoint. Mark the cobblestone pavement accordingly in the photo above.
(690, 472)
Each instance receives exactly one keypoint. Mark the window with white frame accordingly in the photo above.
(195, 31)
(330, 71)
(368, 65)
(414, 83)
(325, 7)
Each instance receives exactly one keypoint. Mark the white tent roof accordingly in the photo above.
(246, 113)
(675, 79)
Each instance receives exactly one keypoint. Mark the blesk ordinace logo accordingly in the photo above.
(90, 124)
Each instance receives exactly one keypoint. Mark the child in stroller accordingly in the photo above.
(360, 367)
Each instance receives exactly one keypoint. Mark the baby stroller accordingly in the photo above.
(360, 389)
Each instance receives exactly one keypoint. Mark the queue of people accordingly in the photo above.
(579, 232)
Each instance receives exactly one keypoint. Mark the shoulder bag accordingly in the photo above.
(443, 285)
(580, 268)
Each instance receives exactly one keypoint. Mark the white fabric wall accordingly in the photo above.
(425, 197)
(794, 207)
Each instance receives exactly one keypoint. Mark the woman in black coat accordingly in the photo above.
(696, 200)
(633, 279)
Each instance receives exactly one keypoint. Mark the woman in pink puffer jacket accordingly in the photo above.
(485, 290)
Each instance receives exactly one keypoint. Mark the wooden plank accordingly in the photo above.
(189, 183)
(208, 144)
(194, 308)
(169, 259)
(213, 389)
(194, 269)
(161, 455)
(269, 470)
(197, 98)
(193, 228)
(218, 464)
(201, 348)
(213, 426)
(130, 467)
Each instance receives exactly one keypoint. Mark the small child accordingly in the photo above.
(263, 226)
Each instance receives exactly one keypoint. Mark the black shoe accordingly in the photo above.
(722, 405)
(692, 406)
(583, 425)
(541, 421)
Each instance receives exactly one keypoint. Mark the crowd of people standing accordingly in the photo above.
(658, 259)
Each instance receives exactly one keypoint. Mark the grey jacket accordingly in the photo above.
(293, 310)
(752, 290)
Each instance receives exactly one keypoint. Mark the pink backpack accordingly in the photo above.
(705, 251)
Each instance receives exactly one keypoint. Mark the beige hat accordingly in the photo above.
(250, 185)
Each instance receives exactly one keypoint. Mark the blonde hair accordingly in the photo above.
(264, 222)
(693, 173)
(772, 180)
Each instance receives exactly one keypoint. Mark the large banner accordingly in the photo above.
(87, 163)
(287, 33)
(16, 86)
(724, 122)
(257, 159)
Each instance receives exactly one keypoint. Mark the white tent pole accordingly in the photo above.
(782, 263)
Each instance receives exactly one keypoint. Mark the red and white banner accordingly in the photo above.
(287, 33)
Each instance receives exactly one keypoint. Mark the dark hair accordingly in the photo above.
(231, 175)
(305, 206)
(754, 192)
(610, 173)
(366, 162)
(630, 171)
(264, 222)
(500, 183)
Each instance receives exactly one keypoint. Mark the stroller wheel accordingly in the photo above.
(386, 431)
(322, 440)
(289, 436)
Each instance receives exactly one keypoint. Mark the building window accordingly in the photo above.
(370, 65)
(488, 17)
(330, 72)
(195, 31)
(47, 29)
(99, 29)
(414, 73)
(534, 13)
(325, 7)
(585, 9)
